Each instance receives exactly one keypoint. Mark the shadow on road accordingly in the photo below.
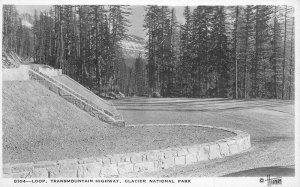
(195, 109)
(275, 171)
(201, 105)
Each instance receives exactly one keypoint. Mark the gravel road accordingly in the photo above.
(270, 124)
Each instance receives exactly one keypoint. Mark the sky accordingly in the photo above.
(136, 19)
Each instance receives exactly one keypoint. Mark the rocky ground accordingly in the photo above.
(270, 124)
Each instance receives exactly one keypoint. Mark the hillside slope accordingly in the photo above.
(36, 121)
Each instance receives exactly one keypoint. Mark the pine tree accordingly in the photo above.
(247, 42)
(219, 53)
(275, 50)
(186, 60)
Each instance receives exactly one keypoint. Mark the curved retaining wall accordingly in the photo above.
(118, 164)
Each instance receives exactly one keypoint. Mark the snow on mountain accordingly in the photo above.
(133, 46)
(26, 24)
(27, 20)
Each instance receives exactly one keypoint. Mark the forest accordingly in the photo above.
(238, 52)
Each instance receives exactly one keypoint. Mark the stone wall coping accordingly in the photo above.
(105, 101)
(50, 80)
(117, 115)
(124, 163)
(57, 83)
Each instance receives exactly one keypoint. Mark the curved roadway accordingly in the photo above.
(270, 124)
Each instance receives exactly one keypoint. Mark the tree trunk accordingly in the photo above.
(292, 62)
(245, 57)
(284, 46)
(275, 55)
(254, 85)
(235, 49)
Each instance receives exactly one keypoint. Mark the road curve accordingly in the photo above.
(270, 124)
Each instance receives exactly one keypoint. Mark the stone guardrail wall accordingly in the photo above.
(119, 164)
(116, 116)
(103, 100)
(74, 98)
(115, 113)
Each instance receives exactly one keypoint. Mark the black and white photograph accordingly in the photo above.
(170, 93)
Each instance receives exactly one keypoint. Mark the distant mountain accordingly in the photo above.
(27, 20)
(132, 47)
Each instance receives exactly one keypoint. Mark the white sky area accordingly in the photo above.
(136, 19)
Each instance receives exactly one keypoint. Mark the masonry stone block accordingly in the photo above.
(106, 161)
(240, 144)
(53, 172)
(154, 155)
(44, 164)
(193, 149)
(123, 157)
(69, 98)
(125, 167)
(63, 173)
(224, 149)
(182, 152)
(114, 158)
(87, 160)
(70, 166)
(166, 163)
(214, 151)
(170, 153)
(92, 169)
(87, 108)
(99, 159)
(102, 117)
(94, 112)
(40, 173)
(53, 88)
(180, 160)
(144, 167)
(233, 147)
(80, 171)
(119, 123)
(109, 170)
(108, 113)
(203, 153)
(191, 158)
(136, 158)
(247, 142)
(79, 104)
